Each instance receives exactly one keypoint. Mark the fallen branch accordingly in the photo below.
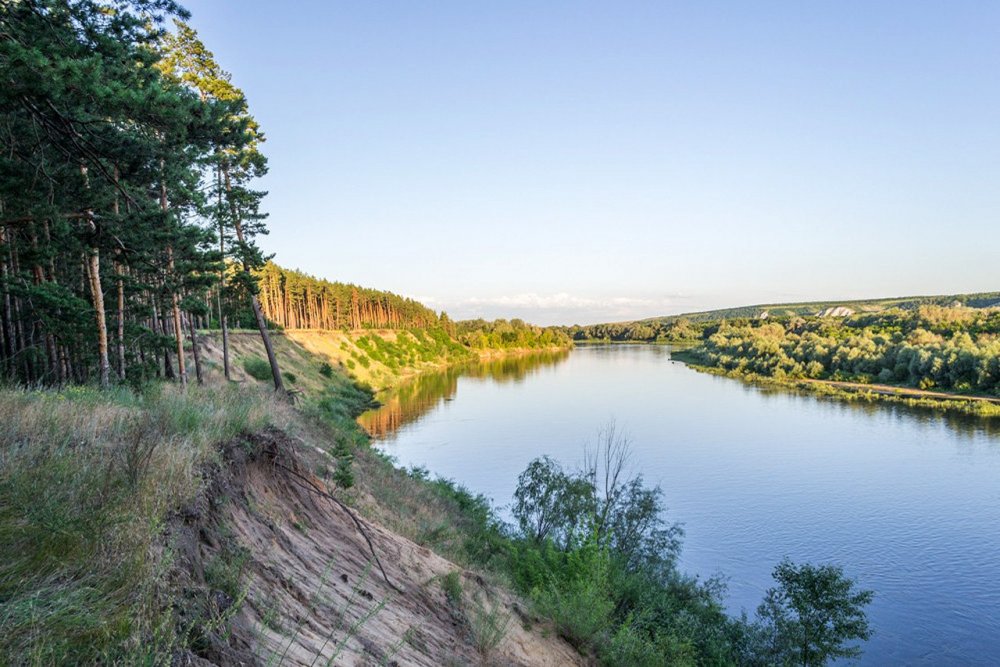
(310, 486)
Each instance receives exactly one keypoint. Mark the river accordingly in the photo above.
(907, 501)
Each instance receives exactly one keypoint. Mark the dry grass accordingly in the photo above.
(86, 481)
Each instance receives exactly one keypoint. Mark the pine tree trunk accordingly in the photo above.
(97, 293)
(223, 319)
(279, 386)
(262, 325)
(225, 345)
(175, 301)
(6, 312)
(121, 297)
(121, 327)
(179, 336)
(94, 274)
(194, 350)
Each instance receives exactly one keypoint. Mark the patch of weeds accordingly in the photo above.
(451, 583)
(488, 624)
(224, 572)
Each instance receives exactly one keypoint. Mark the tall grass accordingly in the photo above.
(87, 479)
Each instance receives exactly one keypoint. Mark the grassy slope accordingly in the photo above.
(376, 358)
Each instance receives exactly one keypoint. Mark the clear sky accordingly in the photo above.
(580, 162)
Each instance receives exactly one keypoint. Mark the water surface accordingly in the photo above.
(906, 500)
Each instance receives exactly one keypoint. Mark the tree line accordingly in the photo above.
(502, 334)
(127, 212)
(650, 331)
(294, 300)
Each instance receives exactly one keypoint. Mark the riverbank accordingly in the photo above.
(222, 525)
(978, 406)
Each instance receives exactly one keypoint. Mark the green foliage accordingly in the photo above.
(127, 122)
(578, 597)
(812, 615)
(679, 330)
(225, 570)
(295, 300)
(326, 370)
(597, 557)
(290, 377)
(257, 368)
(550, 504)
(488, 624)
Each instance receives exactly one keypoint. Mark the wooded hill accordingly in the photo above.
(689, 326)
(974, 300)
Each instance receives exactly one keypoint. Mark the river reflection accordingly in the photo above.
(423, 393)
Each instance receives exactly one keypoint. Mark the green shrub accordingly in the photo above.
(342, 474)
(326, 370)
(257, 368)
(581, 606)
(290, 377)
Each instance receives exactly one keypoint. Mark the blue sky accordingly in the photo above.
(580, 162)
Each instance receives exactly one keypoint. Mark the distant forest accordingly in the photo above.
(953, 347)
(294, 300)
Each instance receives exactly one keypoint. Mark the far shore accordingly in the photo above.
(969, 404)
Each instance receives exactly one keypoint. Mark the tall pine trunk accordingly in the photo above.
(194, 350)
(174, 299)
(279, 386)
(223, 318)
(97, 293)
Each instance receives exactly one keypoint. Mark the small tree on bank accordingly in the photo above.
(812, 615)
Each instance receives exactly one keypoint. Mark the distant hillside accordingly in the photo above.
(977, 300)
(692, 326)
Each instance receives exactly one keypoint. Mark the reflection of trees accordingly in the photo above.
(409, 402)
(417, 397)
(927, 416)
(514, 368)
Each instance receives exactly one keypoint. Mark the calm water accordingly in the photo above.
(908, 502)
